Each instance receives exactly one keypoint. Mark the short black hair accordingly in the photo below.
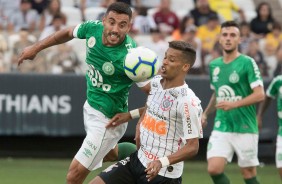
(230, 23)
(120, 8)
(187, 49)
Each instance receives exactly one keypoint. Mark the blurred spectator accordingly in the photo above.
(189, 35)
(90, 3)
(278, 70)
(39, 65)
(142, 23)
(3, 49)
(184, 23)
(263, 22)
(257, 55)
(136, 3)
(157, 43)
(106, 4)
(7, 8)
(225, 8)
(246, 37)
(64, 60)
(215, 53)
(39, 5)
(149, 3)
(26, 18)
(56, 25)
(166, 20)
(202, 12)
(54, 8)
(208, 34)
(273, 39)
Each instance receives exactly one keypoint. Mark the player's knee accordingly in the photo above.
(249, 172)
(214, 170)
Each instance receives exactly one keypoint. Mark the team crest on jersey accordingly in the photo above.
(166, 103)
(215, 74)
(234, 77)
(91, 42)
(173, 93)
(155, 84)
(108, 68)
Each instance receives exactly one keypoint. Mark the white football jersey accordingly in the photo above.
(172, 116)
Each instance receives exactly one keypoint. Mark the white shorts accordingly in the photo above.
(224, 144)
(99, 140)
(278, 155)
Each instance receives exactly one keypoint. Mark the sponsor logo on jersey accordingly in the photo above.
(155, 84)
(91, 42)
(234, 77)
(87, 152)
(166, 103)
(108, 68)
(215, 74)
(97, 79)
(184, 92)
(156, 126)
(256, 69)
(226, 93)
(187, 117)
(149, 155)
(173, 93)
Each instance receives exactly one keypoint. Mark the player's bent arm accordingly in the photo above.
(137, 131)
(256, 96)
(211, 106)
(264, 105)
(56, 38)
(189, 150)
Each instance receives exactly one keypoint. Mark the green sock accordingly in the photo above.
(125, 149)
(220, 179)
(251, 180)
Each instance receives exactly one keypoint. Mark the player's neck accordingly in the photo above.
(167, 84)
(229, 57)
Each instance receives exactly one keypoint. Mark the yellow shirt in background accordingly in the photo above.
(208, 37)
(224, 8)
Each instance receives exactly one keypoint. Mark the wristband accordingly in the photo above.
(164, 161)
(134, 113)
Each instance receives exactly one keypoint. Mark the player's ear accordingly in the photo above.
(186, 67)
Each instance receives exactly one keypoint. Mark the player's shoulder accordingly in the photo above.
(130, 40)
(277, 78)
(216, 61)
(188, 95)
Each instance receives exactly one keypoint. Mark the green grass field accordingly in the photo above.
(53, 171)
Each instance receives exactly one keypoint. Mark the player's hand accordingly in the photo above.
(226, 106)
(119, 119)
(28, 53)
(204, 120)
(153, 168)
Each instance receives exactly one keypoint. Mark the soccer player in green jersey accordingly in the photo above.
(273, 91)
(238, 86)
(108, 86)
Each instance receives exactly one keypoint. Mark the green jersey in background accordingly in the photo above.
(232, 82)
(107, 84)
(274, 90)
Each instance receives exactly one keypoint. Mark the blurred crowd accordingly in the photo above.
(155, 22)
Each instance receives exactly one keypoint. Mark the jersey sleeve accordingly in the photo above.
(191, 118)
(272, 89)
(82, 29)
(254, 76)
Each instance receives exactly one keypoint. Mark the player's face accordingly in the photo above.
(229, 39)
(173, 64)
(116, 26)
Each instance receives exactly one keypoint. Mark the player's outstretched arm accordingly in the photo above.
(56, 38)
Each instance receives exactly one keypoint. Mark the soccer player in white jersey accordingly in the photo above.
(170, 126)
(273, 91)
(108, 86)
(238, 86)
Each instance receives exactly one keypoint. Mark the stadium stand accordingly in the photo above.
(73, 15)
(91, 13)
